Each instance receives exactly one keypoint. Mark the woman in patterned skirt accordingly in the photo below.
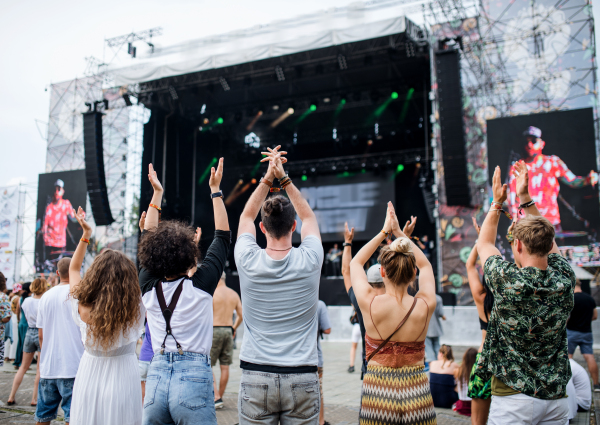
(395, 388)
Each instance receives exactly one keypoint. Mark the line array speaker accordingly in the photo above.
(94, 168)
(452, 128)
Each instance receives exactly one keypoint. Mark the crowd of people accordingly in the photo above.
(85, 329)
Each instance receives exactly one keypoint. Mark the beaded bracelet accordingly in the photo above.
(155, 206)
(87, 241)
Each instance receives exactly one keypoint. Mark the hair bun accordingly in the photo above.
(402, 246)
(274, 206)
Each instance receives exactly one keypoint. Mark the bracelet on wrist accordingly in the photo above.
(345, 244)
(156, 206)
(269, 183)
(387, 234)
(87, 241)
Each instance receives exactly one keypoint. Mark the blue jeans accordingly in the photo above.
(50, 394)
(432, 347)
(179, 390)
(585, 341)
(277, 398)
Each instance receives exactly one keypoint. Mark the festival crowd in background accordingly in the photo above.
(82, 331)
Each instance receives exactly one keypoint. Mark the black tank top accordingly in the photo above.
(483, 325)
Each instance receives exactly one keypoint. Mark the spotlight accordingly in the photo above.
(290, 111)
(205, 121)
(326, 100)
(394, 95)
(370, 142)
(304, 178)
(399, 168)
(253, 181)
(313, 107)
(224, 84)
(219, 120)
(256, 117)
(279, 73)
(276, 107)
(203, 109)
(282, 117)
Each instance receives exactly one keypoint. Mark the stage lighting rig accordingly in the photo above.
(342, 62)
(224, 84)
(279, 73)
(145, 36)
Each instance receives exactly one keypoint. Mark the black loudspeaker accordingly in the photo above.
(94, 168)
(452, 128)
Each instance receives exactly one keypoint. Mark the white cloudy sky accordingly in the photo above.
(46, 41)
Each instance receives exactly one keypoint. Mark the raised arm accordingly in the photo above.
(521, 173)
(486, 244)
(304, 211)
(473, 274)
(347, 256)
(426, 276)
(153, 215)
(256, 200)
(363, 291)
(79, 254)
(220, 212)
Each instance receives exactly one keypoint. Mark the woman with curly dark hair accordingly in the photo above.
(178, 299)
(107, 307)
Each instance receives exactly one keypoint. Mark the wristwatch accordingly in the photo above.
(347, 244)
(218, 194)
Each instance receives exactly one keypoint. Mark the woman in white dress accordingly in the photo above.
(107, 306)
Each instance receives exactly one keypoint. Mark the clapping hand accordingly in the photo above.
(142, 221)
(521, 173)
(390, 219)
(409, 227)
(476, 226)
(348, 233)
(500, 190)
(154, 179)
(197, 235)
(276, 161)
(216, 176)
(80, 216)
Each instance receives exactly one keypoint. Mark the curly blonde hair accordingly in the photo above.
(111, 288)
(39, 286)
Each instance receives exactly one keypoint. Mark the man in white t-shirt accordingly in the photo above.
(280, 292)
(579, 390)
(62, 348)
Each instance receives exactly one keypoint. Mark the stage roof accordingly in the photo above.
(356, 22)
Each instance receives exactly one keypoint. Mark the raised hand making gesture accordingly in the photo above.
(80, 216)
(215, 177)
(521, 173)
(348, 233)
(154, 179)
(276, 161)
(409, 227)
(499, 190)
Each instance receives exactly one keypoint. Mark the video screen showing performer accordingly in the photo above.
(57, 230)
(546, 172)
(559, 149)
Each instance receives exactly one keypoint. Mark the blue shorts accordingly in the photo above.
(585, 340)
(50, 394)
(32, 341)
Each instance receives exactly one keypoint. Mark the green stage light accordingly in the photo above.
(220, 120)
(207, 170)
(394, 95)
(400, 168)
(343, 101)
(304, 178)
(313, 108)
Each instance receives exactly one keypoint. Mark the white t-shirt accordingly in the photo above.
(61, 347)
(581, 382)
(279, 303)
(30, 308)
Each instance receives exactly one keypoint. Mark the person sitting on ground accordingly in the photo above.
(462, 375)
(579, 330)
(280, 289)
(179, 386)
(375, 280)
(324, 329)
(107, 307)
(480, 392)
(225, 302)
(441, 378)
(579, 390)
(31, 344)
(395, 387)
(61, 349)
(525, 350)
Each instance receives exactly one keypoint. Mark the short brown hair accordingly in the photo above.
(398, 261)
(2, 282)
(63, 267)
(536, 233)
(277, 215)
(39, 286)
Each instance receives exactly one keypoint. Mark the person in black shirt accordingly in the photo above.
(579, 330)
(377, 284)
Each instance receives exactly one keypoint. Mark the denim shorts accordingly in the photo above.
(144, 366)
(585, 340)
(51, 392)
(179, 389)
(32, 341)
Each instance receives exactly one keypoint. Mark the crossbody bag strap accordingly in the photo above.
(167, 312)
(384, 343)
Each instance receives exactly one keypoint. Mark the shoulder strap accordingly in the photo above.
(371, 314)
(167, 311)
(384, 343)
(426, 318)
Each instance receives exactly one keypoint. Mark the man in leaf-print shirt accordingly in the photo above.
(525, 350)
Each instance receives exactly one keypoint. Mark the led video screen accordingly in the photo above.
(559, 149)
(359, 199)
(57, 230)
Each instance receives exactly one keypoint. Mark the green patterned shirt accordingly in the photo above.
(526, 342)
